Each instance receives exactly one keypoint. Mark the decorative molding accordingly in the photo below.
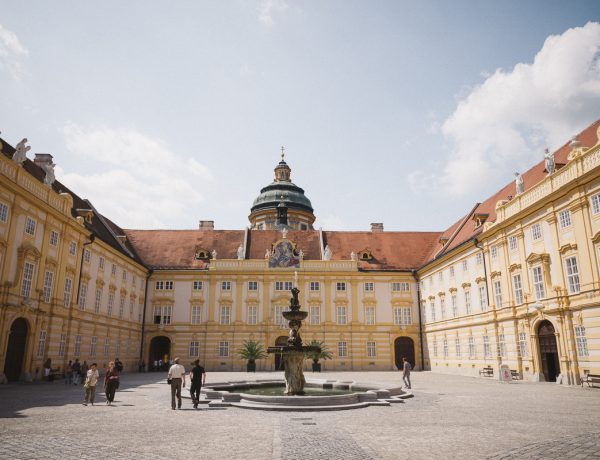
(567, 247)
(535, 258)
(466, 285)
(441, 294)
(452, 290)
(495, 274)
(28, 251)
(596, 238)
(479, 279)
(514, 267)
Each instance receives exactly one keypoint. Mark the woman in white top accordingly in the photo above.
(91, 381)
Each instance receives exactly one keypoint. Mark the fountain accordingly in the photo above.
(293, 353)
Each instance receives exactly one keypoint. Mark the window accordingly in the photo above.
(41, 344)
(3, 212)
(538, 283)
(27, 279)
(315, 315)
(536, 232)
(341, 314)
(445, 347)
(487, 348)
(369, 287)
(370, 316)
(223, 349)
(118, 348)
(512, 243)
(130, 308)
(452, 271)
(483, 298)
(407, 315)
(468, 302)
(432, 308)
(479, 258)
(111, 303)
(252, 286)
(252, 314)
(225, 285)
(225, 317)
(196, 314)
(340, 286)
(457, 347)
(465, 265)
(498, 293)
(596, 204)
(435, 348)
(371, 351)
(342, 349)
(159, 286)
(77, 350)
(582, 348)
(283, 285)
(53, 238)
(101, 263)
(72, 248)
(501, 345)
(454, 305)
(121, 306)
(106, 350)
(124, 275)
(62, 344)
(398, 316)
(113, 270)
(87, 256)
(67, 293)
(30, 226)
(400, 287)
(440, 276)
(82, 295)
(279, 319)
(471, 347)
(168, 285)
(572, 274)
(194, 349)
(315, 286)
(518, 288)
(564, 218)
(133, 280)
(523, 345)
(443, 307)
(93, 344)
(162, 315)
(494, 252)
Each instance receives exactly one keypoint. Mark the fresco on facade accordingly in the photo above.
(283, 255)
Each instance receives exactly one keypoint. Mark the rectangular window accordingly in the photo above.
(87, 256)
(432, 308)
(536, 232)
(41, 344)
(167, 313)
(468, 302)
(111, 303)
(168, 285)
(582, 348)
(572, 274)
(196, 314)
(340, 286)
(121, 306)
(3, 212)
(341, 315)
(72, 248)
(252, 286)
(279, 319)
(194, 349)
(225, 285)
(407, 315)
(596, 204)
(67, 292)
(223, 349)
(457, 347)
(498, 293)
(225, 317)
(101, 263)
(369, 287)
(77, 349)
(53, 238)
(315, 286)
(564, 218)
(131, 308)
(113, 270)
(315, 315)
(523, 345)
(483, 298)
(538, 283)
(494, 252)
(501, 345)
(159, 286)
(27, 279)
(479, 258)
(435, 348)
(454, 305)
(487, 348)
(471, 347)
(518, 288)
(82, 295)
(445, 348)
(398, 316)
(400, 287)
(465, 265)
(93, 344)
(283, 285)
(252, 314)
(342, 349)
(512, 243)
(62, 344)
(370, 316)
(124, 275)
(106, 350)
(118, 348)
(452, 271)
(441, 276)
(443, 307)
(371, 350)
(30, 226)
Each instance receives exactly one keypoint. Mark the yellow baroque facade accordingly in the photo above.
(514, 282)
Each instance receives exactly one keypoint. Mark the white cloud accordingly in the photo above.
(143, 184)
(504, 124)
(11, 53)
(267, 8)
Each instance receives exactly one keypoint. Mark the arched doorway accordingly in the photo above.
(404, 347)
(160, 347)
(15, 351)
(548, 351)
(280, 342)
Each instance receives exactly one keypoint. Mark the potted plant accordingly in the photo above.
(251, 351)
(316, 356)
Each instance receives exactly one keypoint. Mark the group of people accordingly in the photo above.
(176, 378)
(111, 382)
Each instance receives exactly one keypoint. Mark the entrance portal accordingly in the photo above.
(548, 351)
(160, 348)
(280, 342)
(15, 351)
(404, 347)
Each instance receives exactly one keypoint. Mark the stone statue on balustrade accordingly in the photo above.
(519, 183)
(327, 253)
(549, 162)
(240, 252)
(49, 169)
(21, 152)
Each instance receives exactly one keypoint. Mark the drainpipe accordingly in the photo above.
(150, 272)
(414, 274)
(487, 291)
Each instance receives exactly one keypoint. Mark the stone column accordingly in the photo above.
(294, 376)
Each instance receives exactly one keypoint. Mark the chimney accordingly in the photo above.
(207, 225)
(377, 227)
(42, 159)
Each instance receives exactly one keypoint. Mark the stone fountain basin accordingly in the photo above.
(361, 395)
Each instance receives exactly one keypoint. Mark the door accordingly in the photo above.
(160, 347)
(404, 347)
(279, 342)
(548, 351)
(15, 351)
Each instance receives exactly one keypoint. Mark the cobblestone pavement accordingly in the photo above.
(450, 416)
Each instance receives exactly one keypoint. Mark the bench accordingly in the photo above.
(515, 374)
(590, 379)
(487, 372)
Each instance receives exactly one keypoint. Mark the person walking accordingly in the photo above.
(91, 380)
(76, 371)
(176, 376)
(198, 378)
(406, 368)
(111, 383)
(69, 373)
(84, 369)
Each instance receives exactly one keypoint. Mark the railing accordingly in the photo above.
(305, 265)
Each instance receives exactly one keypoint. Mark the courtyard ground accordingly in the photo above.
(449, 417)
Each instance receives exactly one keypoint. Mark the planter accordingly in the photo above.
(316, 367)
(251, 366)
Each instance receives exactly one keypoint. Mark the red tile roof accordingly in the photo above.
(261, 240)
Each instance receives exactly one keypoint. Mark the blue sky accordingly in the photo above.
(405, 113)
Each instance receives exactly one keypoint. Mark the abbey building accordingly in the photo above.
(512, 284)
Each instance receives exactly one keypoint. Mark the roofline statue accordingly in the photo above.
(20, 154)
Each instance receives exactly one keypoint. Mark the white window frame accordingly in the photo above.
(225, 314)
(106, 350)
(197, 285)
(494, 252)
(472, 349)
(62, 345)
(93, 345)
(77, 347)
(53, 238)
(513, 244)
(370, 316)
(398, 316)
(468, 306)
(195, 314)
(225, 285)
(315, 315)
(111, 303)
(3, 212)
(518, 288)
(581, 341)
(252, 314)
(457, 349)
(501, 345)
(369, 286)
(82, 295)
(253, 285)
(343, 349)
(72, 248)
(487, 347)
(27, 279)
(315, 286)
(454, 305)
(194, 349)
(340, 286)
(341, 314)
(223, 349)
(595, 199)
(371, 349)
(538, 282)
(536, 232)
(498, 293)
(564, 218)
(41, 344)
(523, 349)
(67, 292)
(482, 297)
(572, 271)
(407, 316)
(30, 225)
(445, 347)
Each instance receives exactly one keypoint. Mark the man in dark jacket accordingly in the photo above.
(198, 377)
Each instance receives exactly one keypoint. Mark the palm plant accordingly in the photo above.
(252, 350)
(324, 354)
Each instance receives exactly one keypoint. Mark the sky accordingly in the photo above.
(401, 112)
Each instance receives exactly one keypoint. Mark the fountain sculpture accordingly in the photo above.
(293, 353)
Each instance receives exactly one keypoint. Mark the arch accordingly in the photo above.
(550, 364)
(280, 341)
(404, 347)
(15, 350)
(160, 348)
